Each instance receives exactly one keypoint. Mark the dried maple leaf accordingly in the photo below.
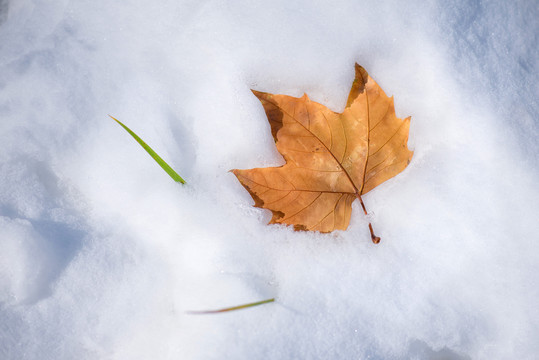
(331, 158)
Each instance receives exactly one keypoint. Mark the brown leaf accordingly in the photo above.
(331, 158)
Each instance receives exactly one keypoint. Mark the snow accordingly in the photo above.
(102, 254)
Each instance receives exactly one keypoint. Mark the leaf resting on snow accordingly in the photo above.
(170, 171)
(331, 158)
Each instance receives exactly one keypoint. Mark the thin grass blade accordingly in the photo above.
(245, 306)
(170, 171)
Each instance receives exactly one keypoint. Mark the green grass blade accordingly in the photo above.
(170, 171)
(245, 306)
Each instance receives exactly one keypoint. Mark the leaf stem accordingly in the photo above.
(375, 239)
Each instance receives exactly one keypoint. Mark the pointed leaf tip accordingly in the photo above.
(256, 92)
(358, 85)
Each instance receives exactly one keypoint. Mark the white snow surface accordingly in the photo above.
(102, 254)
